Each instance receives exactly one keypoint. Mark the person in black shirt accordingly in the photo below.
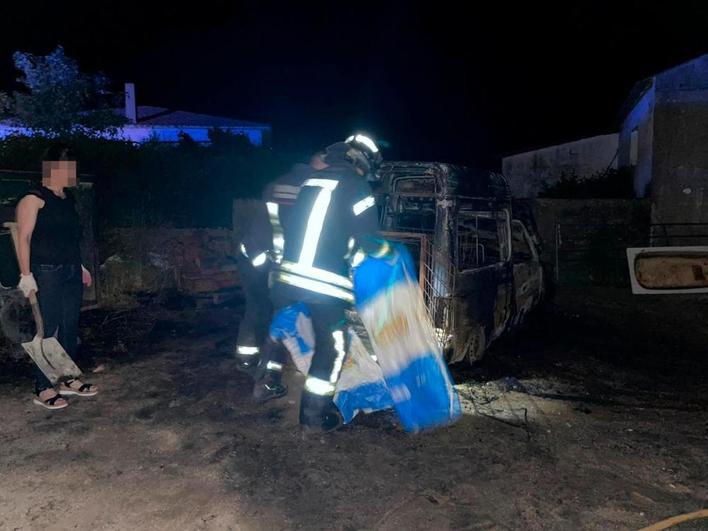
(49, 233)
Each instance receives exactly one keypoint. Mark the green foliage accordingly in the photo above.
(154, 183)
(59, 100)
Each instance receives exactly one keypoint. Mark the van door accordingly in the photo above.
(528, 273)
(483, 287)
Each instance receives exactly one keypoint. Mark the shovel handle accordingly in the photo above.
(38, 321)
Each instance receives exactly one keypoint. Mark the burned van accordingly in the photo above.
(478, 266)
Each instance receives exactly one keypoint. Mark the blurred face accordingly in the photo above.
(59, 173)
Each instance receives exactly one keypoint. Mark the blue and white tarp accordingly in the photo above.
(390, 305)
(409, 373)
(361, 386)
(292, 326)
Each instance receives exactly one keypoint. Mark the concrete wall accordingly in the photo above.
(528, 172)
(680, 187)
(671, 120)
(593, 236)
(595, 212)
(680, 168)
(641, 119)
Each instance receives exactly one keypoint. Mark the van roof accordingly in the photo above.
(450, 179)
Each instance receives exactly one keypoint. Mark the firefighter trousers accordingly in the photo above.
(253, 328)
(331, 344)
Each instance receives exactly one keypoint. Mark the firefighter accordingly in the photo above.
(253, 235)
(258, 230)
(332, 220)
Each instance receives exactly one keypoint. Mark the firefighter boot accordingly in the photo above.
(247, 356)
(269, 387)
(319, 413)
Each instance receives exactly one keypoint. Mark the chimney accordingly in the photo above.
(131, 109)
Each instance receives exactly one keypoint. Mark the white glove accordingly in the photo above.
(27, 284)
(86, 276)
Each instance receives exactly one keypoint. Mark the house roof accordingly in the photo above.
(641, 87)
(680, 65)
(161, 116)
(638, 90)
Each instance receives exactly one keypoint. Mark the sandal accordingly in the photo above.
(51, 403)
(78, 389)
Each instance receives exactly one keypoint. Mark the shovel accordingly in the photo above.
(47, 353)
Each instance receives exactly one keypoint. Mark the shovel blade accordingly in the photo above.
(52, 359)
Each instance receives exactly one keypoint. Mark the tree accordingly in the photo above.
(6, 104)
(58, 99)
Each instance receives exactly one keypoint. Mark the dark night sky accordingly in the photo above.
(436, 80)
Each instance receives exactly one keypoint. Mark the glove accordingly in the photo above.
(86, 276)
(386, 252)
(27, 284)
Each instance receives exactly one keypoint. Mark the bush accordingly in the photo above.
(151, 184)
(610, 184)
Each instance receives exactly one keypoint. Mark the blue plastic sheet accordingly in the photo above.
(390, 305)
(409, 373)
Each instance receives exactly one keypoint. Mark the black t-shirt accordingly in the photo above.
(57, 234)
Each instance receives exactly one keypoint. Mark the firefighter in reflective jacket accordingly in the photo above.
(258, 231)
(253, 235)
(333, 219)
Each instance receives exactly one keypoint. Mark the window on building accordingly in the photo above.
(633, 147)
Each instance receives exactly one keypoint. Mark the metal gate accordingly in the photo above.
(594, 253)
(436, 276)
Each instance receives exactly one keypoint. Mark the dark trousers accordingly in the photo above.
(331, 343)
(60, 295)
(253, 328)
(328, 322)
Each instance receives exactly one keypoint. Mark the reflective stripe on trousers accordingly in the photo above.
(319, 387)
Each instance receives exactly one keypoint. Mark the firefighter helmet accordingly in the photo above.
(365, 153)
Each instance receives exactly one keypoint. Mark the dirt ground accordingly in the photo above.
(591, 417)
